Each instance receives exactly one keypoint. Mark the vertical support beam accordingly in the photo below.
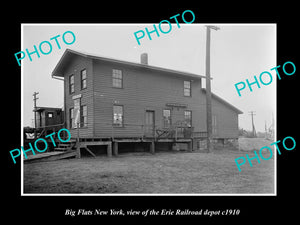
(78, 143)
(170, 146)
(35, 123)
(115, 148)
(190, 146)
(152, 147)
(78, 155)
(109, 151)
(208, 92)
(112, 132)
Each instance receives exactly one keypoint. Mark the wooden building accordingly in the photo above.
(116, 101)
(49, 119)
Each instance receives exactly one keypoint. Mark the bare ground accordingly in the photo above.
(164, 172)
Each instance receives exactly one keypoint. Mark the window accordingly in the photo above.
(187, 88)
(188, 118)
(166, 118)
(50, 114)
(117, 78)
(71, 118)
(83, 79)
(118, 115)
(83, 116)
(71, 84)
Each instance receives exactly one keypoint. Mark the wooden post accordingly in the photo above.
(109, 151)
(115, 148)
(208, 92)
(78, 143)
(208, 89)
(190, 146)
(112, 132)
(35, 123)
(152, 147)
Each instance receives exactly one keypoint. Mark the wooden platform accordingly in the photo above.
(50, 156)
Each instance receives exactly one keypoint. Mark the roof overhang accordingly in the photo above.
(69, 54)
(224, 102)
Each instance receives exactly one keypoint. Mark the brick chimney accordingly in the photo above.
(144, 58)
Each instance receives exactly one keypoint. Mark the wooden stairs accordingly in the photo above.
(66, 146)
(62, 151)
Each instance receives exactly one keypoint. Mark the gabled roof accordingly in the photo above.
(223, 101)
(67, 56)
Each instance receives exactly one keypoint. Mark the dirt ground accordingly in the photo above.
(168, 172)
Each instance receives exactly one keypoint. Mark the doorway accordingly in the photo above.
(149, 123)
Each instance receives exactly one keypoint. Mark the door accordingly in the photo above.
(149, 123)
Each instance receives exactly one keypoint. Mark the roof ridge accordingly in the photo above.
(85, 54)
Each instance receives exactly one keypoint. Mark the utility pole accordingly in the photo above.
(208, 89)
(34, 103)
(253, 127)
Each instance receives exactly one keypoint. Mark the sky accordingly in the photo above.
(238, 52)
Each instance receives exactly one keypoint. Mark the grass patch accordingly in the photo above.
(164, 172)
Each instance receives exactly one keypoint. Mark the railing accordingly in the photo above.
(177, 130)
(200, 134)
(41, 130)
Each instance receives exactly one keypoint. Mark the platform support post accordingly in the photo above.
(152, 147)
(109, 151)
(115, 148)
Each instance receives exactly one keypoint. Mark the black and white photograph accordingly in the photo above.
(160, 116)
(133, 115)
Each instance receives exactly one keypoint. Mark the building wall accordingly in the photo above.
(226, 120)
(142, 90)
(44, 120)
(75, 66)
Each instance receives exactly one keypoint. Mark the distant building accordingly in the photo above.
(49, 120)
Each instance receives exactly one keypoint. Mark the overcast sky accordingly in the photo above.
(238, 52)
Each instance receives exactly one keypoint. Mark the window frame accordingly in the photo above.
(164, 118)
(187, 88)
(114, 78)
(122, 116)
(83, 117)
(71, 85)
(50, 113)
(71, 117)
(81, 80)
(190, 119)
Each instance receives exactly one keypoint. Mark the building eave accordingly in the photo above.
(224, 102)
(58, 70)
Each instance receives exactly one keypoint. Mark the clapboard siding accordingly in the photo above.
(227, 120)
(142, 90)
(76, 65)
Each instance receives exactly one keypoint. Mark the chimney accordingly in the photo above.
(144, 58)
